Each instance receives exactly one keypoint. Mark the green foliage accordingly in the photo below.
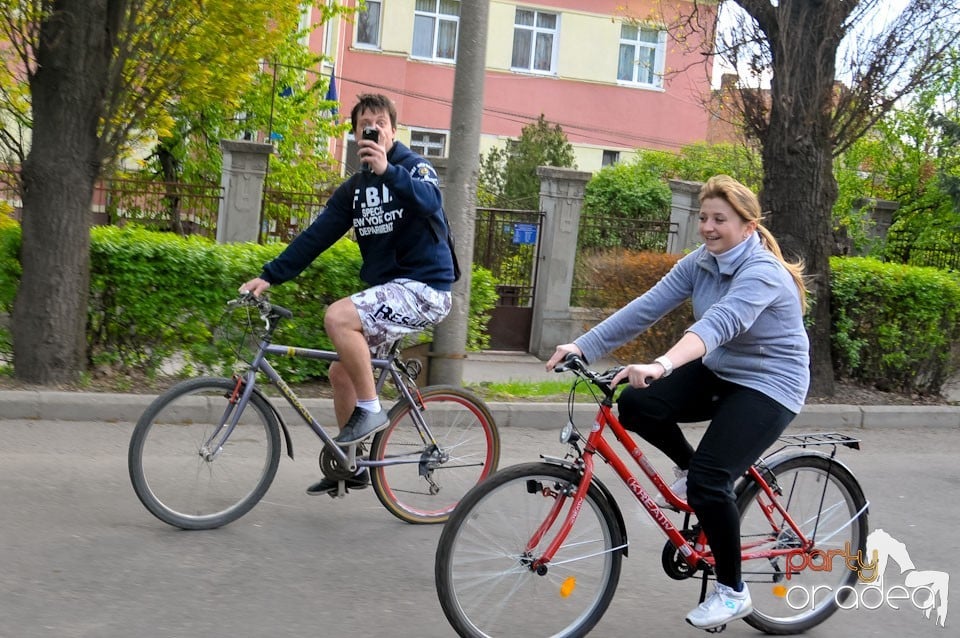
(508, 177)
(285, 100)
(157, 301)
(894, 325)
(631, 190)
(638, 190)
(855, 184)
(9, 281)
(912, 156)
(491, 177)
(700, 161)
(483, 297)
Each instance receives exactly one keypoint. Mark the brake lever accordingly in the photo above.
(608, 375)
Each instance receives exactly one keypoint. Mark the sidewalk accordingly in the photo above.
(479, 367)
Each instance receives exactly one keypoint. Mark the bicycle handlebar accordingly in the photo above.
(575, 363)
(269, 312)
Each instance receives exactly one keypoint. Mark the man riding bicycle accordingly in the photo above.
(394, 207)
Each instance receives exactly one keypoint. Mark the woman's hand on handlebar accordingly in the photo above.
(255, 286)
(562, 351)
(639, 375)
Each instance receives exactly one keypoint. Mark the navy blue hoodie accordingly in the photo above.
(398, 221)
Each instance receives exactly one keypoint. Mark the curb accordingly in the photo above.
(126, 408)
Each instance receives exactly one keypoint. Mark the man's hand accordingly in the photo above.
(256, 286)
(373, 155)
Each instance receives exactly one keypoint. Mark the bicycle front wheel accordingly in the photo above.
(484, 572)
(430, 470)
(797, 591)
(179, 472)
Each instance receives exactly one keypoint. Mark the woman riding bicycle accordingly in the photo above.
(743, 365)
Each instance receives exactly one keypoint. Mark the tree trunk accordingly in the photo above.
(170, 173)
(799, 189)
(67, 89)
(799, 193)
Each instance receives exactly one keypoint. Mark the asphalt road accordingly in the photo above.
(80, 557)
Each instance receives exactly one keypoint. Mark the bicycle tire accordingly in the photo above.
(827, 502)
(426, 489)
(483, 576)
(167, 467)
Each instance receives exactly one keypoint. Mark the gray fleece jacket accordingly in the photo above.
(747, 312)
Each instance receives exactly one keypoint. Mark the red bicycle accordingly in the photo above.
(536, 549)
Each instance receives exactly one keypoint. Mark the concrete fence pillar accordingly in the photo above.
(561, 200)
(684, 212)
(880, 211)
(242, 177)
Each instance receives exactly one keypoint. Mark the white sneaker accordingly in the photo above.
(722, 606)
(678, 487)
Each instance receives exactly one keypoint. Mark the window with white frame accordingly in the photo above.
(428, 143)
(305, 26)
(329, 35)
(642, 54)
(535, 38)
(368, 24)
(435, 26)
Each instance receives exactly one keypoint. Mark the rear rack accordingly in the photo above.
(819, 438)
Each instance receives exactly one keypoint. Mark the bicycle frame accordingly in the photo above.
(695, 553)
(247, 382)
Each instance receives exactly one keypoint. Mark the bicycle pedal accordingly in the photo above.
(715, 630)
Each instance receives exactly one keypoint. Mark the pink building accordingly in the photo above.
(611, 76)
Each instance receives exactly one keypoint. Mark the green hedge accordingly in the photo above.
(895, 326)
(157, 300)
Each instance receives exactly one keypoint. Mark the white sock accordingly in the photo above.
(370, 405)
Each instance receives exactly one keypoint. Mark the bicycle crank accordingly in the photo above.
(331, 467)
(673, 562)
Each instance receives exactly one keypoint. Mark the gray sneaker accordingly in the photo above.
(361, 424)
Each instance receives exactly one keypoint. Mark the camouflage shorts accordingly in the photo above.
(397, 308)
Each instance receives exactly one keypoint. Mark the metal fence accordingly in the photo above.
(506, 242)
(599, 234)
(286, 213)
(941, 250)
(186, 209)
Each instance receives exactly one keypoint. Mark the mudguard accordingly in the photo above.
(283, 425)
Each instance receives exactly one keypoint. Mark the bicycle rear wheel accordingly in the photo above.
(424, 482)
(175, 472)
(483, 568)
(827, 504)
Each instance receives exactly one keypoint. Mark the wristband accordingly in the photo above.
(667, 364)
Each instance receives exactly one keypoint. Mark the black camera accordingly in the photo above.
(371, 133)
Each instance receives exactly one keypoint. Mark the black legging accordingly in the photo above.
(743, 423)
